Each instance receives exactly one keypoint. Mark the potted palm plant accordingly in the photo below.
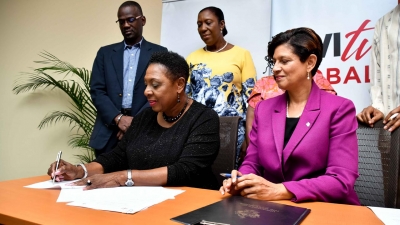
(57, 74)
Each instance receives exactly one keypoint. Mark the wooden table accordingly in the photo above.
(19, 205)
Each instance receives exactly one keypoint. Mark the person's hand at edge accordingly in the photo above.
(391, 121)
(369, 115)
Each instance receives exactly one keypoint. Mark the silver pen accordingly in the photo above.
(58, 163)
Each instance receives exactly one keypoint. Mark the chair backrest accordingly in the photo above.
(225, 161)
(378, 155)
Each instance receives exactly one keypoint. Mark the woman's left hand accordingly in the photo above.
(257, 187)
(392, 123)
(101, 181)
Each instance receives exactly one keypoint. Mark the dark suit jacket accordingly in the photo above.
(106, 87)
(320, 161)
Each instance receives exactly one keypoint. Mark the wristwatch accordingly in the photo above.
(129, 182)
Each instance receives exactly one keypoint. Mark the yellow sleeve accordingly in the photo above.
(249, 76)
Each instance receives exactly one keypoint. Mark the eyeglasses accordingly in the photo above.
(129, 20)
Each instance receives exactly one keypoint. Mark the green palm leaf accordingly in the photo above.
(74, 82)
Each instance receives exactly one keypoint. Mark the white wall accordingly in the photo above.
(247, 22)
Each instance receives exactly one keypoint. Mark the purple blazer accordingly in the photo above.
(320, 161)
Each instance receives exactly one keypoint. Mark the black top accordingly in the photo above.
(188, 148)
(291, 124)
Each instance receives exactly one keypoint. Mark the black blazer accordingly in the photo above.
(106, 87)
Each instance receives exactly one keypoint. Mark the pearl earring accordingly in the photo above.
(308, 75)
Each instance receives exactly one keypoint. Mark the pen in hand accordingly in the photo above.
(228, 175)
(57, 163)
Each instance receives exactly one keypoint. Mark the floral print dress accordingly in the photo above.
(223, 81)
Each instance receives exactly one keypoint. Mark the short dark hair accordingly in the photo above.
(175, 64)
(131, 3)
(219, 14)
(304, 42)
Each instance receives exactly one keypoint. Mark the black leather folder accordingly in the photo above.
(238, 210)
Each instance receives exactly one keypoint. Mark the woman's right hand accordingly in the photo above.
(228, 185)
(369, 116)
(66, 171)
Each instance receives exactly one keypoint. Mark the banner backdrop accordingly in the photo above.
(346, 28)
(247, 22)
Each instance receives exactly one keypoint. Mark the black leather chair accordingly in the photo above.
(225, 161)
(379, 156)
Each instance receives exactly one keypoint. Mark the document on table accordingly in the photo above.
(388, 216)
(49, 184)
(68, 194)
(119, 199)
(123, 199)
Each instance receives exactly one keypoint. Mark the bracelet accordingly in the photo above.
(119, 118)
(84, 169)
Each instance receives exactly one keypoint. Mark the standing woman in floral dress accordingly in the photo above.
(222, 75)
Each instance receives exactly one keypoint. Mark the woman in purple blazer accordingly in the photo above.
(303, 144)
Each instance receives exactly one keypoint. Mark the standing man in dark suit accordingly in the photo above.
(117, 85)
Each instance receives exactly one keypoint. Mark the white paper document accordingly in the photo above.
(121, 199)
(388, 216)
(118, 199)
(49, 184)
(70, 193)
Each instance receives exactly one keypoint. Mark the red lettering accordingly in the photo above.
(367, 80)
(359, 54)
(333, 73)
(355, 34)
(352, 70)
